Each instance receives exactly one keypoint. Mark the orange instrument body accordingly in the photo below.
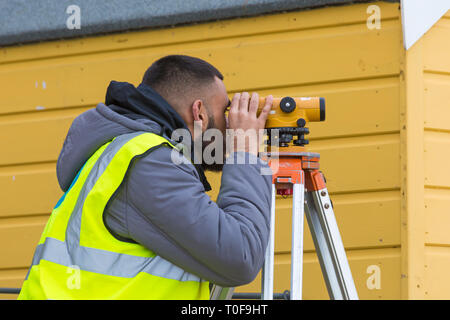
(286, 111)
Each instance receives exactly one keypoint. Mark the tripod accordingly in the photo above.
(296, 173)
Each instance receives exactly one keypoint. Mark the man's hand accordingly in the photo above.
(242, 115)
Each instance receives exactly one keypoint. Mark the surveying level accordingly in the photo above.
(296, 173)
(290, 115)
(285, 112)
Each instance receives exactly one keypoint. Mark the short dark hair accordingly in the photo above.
(175, 73)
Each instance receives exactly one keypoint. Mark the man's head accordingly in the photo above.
(194, 88)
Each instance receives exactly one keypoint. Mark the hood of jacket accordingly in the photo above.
(126, 109)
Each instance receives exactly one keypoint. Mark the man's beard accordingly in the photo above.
(214, 167)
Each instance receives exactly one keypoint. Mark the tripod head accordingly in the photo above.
(290, 116)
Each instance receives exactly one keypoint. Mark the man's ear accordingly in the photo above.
(199, 114)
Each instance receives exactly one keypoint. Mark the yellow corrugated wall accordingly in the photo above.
(328, 52)
(427, 219)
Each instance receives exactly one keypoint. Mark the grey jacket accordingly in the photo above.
(164, 207)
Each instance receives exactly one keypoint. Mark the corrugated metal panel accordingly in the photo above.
(328, 52)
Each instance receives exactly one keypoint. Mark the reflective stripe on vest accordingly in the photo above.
(78, 258)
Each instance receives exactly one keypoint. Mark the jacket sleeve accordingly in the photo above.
(169, 212)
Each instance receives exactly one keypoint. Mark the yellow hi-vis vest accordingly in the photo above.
(78, 258)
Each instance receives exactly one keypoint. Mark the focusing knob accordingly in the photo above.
(301, 123)
(287, 104)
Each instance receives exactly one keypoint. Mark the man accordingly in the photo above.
(133, 224)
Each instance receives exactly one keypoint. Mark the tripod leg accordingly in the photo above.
(297, 241)
(221, 293)
(267, 271)
(327, 240)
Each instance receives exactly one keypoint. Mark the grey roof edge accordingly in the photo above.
(23, 21)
